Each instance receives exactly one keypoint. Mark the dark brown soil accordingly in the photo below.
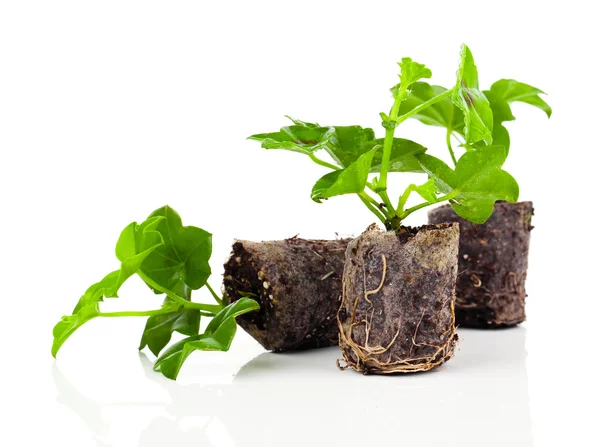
(397, 311)
(298, 284)
(490, 290)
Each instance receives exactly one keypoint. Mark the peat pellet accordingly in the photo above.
(490, 289)
(397, 310)
(298, 283)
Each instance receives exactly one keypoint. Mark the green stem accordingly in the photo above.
(373, 202)
(211, 308)
(387, 202)
(143, 313)
(384, 198)
(404, 198)
(449, 144)
(387, 147)
(411, 210)
(318, 161)
(394, 120)
(424, 105)
(388, 142)
(390, 124)
(215, 296)
(373, 209)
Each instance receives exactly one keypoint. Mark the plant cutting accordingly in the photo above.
(397, 309)
(493, 256)
(172, 260)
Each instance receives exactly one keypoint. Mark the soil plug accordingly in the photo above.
(490, 290)
(298, 284)
(397, 312)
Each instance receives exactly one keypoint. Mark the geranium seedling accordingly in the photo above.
(360, 162)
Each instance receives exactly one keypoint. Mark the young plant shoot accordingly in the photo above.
(362, 162)
(397, 308)
(173, 261)
(449, 115)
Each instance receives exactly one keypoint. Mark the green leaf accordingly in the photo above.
(348, 143)
(500, 136)
(501, 95)
(303, 138)
(508, 91)
(345, 144)
(478, 116)
(477, 182)
(182, 261)
(447, 115)
(428, 190)
(402, 156)
(476, 201)
(442, 114)
(137, 241)
(69, 324)
(217, 337)
(444, 177)
(159, 328)
(411, 71)
(473, 166)
(106, 287)
(135, 244)
(352, 179)
(302, 123)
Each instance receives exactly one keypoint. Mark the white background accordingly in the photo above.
(111, 109)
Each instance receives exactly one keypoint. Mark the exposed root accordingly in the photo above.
(370, 359)
(512, 289)
(476, 280)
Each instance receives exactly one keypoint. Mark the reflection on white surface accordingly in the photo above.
(478, 398)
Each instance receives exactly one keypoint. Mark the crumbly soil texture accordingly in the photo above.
(298, 283)
(397, 310)
(490, 289)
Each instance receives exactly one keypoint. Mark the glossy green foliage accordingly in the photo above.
(182, 261)
(298, 138)
(442, 114)
(448, 115)
(348, 143)
(345, 145)
(428, 190)
(159, 328)
(472, 116)
(217, 337)
(345, 181)
(134, 245)
(504, 92)
(476, 183)
(402, 156)
(507, 91)
(172, 259)
(478, 117)
(411, 72)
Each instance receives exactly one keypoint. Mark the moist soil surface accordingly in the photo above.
(298, 283)
(490, 289)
